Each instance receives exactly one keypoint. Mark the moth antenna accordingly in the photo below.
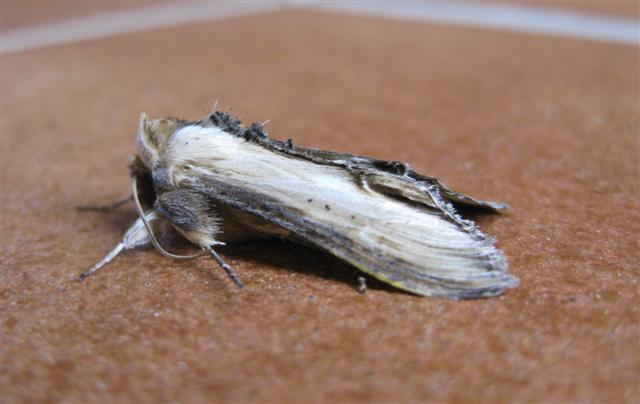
(107, 259)
(215, 106)
(230, 272)
(104, 208)
(152, 236)
(265, 122)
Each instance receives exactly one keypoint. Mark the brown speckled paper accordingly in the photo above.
(548, 125)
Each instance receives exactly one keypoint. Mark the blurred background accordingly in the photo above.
(82, 19)
(532, 103)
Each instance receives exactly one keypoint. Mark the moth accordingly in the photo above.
(216, 181)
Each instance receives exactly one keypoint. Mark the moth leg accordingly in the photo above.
(230, 272)
(104, 261)
(136, 236)
(194, 216)
(362, 284)
(104, 208)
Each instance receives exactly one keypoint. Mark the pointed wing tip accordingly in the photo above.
(498, 207)
(501, 206)
(502, 285)
(507, 282)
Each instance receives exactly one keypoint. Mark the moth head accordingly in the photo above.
(153, 136)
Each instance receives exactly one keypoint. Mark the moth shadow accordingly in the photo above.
(118, 220)
(290, 256)
(479, 217)
(284, 254)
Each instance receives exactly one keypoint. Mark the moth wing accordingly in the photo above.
(421, 251)
(394, 178)
(424, 247)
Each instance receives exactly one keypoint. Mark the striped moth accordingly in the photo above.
(216, 181)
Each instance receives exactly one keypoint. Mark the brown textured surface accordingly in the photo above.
(549, 126)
